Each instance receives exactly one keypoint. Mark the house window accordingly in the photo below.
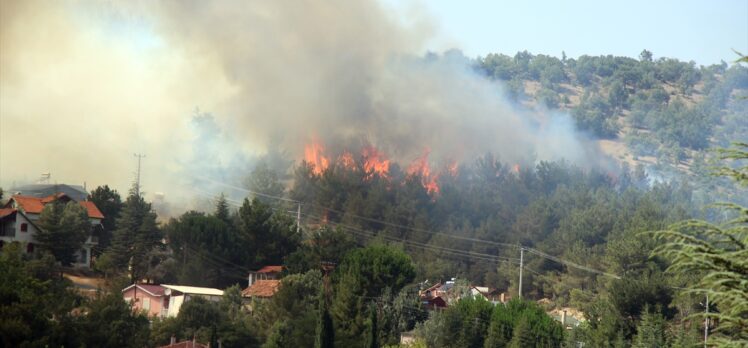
(24, 227)
(30, 248)
(147, 303)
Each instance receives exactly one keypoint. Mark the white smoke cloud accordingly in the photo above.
(84, 85)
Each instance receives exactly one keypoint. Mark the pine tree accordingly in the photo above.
(64, 229)
(222, 209)
(136, 236)
(651, 331)
(325, 331)
(522, 336)
(109, 203)
(720, 254)
(372, 339)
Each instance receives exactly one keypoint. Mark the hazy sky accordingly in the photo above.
(85, 84)
(703, 31)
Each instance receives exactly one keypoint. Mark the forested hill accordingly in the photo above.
(659, 112)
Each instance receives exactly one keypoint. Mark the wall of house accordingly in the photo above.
(12, 232)
(31, 230)
(175, 303)
(143, 301)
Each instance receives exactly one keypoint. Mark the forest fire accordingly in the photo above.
(314, 155)
(374, 162)
(421, 168)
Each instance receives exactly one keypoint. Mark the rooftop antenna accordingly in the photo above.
(44, 178)
(137, 179)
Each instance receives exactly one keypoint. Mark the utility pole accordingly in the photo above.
(706, 321)
(137, 179)
(298, 218)
(521, 263)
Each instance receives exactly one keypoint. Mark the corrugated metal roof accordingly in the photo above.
(194, 290)
(76, 192)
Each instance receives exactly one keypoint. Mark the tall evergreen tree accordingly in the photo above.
(136, 236)
(719, 254)
(222, 209)
(64, 229)
(109, 203)
(522, 337)
(651, 331)
(325, 330)
(372, 337)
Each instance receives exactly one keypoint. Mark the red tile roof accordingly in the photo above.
(6, 211)
(93, 211)
(270, 269)
(262, 288)
(31, 205)
(34, 205)
(185, 344)
(54, 197)
(155, 290)
(436, 302)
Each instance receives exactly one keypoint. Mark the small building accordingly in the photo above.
(77, 192)
(148, 298)
(452, 291)
(185, 344)
(165, 300)
(567, 316)
(262, 289)
(19, 222)
(264, 273)
(179, 294)
(434, 303)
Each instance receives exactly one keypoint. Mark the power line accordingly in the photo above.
(532, 250)
(245, 190)
(418, 244)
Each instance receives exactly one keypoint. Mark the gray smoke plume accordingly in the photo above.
(93, 82)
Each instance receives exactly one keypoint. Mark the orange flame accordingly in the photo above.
(375, 163)
(515, 168)
(421, 167)
(452, 169)
(314, 155)
(347, 161)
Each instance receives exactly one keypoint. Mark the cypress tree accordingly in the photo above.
(372, 339)
(325, 330)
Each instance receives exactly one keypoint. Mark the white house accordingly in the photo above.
(179, 294)
(165, 300)
(19, 222)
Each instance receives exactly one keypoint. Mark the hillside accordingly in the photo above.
(661, 113)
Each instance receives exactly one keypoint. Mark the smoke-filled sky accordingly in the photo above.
(85, 85)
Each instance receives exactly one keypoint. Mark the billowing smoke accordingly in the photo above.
(84, 85)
